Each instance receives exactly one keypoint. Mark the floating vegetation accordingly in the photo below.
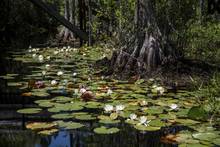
(29, 110)
(104, 130)
(54, 82)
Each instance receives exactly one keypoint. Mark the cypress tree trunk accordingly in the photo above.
(66, 34)
(148, 49)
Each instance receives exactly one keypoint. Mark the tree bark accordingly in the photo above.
(147, 51)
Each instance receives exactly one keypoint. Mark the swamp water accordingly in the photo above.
(41, 105)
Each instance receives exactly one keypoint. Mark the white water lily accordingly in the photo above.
(76, 91)
(47, 66)
(119, 107)
(108, 108)
(55, 52)
(30, 47)
(82, 90)
(59, 73)
(53, 82)
(44, 72)
(74, 74)
(68, 47)
(109, 92)
(30, 51)
(48, 57)
(84, 54)
(41, 58)
(133, 116)
(143, 121)
(160, 89)
(34, 50)
(173, 106)
(143, 103)
(34, 55)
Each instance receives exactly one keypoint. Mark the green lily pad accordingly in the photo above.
(93, 105)
(146, 128)
(85, 117)
(104, 130)
(154, 110)
(7, 77)
(48, 132)
(40, 126)
(187, 122)
(156, 123)
(216, 141)
(109, 121)
(69, 125)
(132, 122)
(29, 110)
(62, 116)
(14, 84)
(40, 94)
(197, 113)
(205, 136)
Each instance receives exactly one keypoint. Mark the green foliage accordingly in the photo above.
(204, 41)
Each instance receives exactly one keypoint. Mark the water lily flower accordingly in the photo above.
(74, 74)
(133, 116)
(173, 106)
(53, 82)
(30, 47)
(44, 72)
(47, 66)
(160, 89)
(74, 49)
(143, 121)
(34, 50)
(30, 51)
(41, 58)
(34, 55)
(62, 50)
(119, 108)
(84, 54)
(48, 58)
(143, 103)
(55, 52)
(76, 91)
(108, 108)
(82, 90)
(102, 77)
(39, 84)
(109, 92)
(68, 47)
(59, 73)
(37, 49)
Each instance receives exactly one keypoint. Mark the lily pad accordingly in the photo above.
(216, 141)
(69, 125)
(37, 126)
(104, 130)
(146, 128)
(85, 117)
(62, 116)
(109, 121)
(197, 113)
(29, 110)
(48, 132)
(205, 136)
